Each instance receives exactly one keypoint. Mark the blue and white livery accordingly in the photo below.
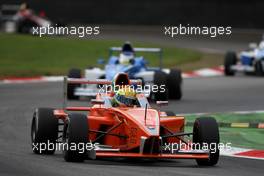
(249, 62)
(137, 68)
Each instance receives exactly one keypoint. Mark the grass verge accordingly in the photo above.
(232, 117)
(24, 55)
(239, 137)
(251, 138)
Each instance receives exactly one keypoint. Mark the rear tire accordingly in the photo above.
(160, 79)
(205, 130)
(259, 68)
(75, 133)
(230, 60)
(99, 86)
(44, 130)
(73, 73)
(174, 80)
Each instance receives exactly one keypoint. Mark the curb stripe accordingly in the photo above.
(253, 125)
(22, 78)
(243, 153)
(38, 79)
(261, 125)
(252, 153)
(240, 125)
(205, 72)
(228, 112)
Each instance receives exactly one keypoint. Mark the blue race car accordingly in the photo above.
(250, 62)
(137, 68)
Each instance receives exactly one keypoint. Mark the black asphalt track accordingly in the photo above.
(218, 94)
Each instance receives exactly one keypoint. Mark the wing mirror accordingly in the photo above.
(162, 103)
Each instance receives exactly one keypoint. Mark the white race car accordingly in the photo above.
(249, 62)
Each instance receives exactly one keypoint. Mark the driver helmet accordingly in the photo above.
(127, 54)
(120, 80)
(261, 45)
(23, 6)
(125, 96)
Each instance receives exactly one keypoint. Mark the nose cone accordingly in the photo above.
(150, 124)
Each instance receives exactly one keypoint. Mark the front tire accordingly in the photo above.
(44, 131)
(160, 79)
(230, 60)
(205, 131)
(75, 133)
(174, 80)
(259, 68)
(73, 73)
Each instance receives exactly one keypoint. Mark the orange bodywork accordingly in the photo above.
(124, 127)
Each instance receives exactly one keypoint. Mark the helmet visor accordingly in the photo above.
(125, 100)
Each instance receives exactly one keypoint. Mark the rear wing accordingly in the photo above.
(67, 81)
(148, 50)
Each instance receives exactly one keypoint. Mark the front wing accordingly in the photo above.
(165, 156)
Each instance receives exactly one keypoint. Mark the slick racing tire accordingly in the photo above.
(44, 131)
(160, 80)
(101, 85)
(174, 82)
(206, 132)
(230, 60)
(25, 26)
(259, 68)
(75, 134)
(73, 73)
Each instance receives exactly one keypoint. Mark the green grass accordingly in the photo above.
(239, 137)
(232, 117)
(251, 138)
(243, 137)
(24, 55)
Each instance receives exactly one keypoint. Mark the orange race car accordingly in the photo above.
(106, 130)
